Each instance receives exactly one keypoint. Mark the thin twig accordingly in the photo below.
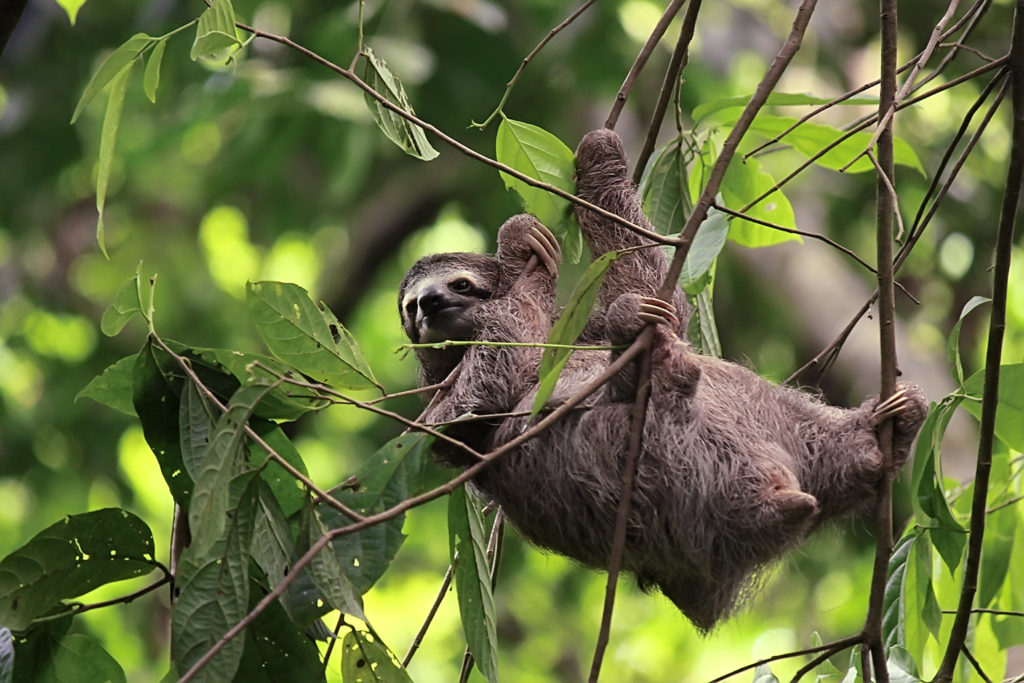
(997, 329)
(809, 666)
(124, 600)
(330, 645)
(418, 639)
(976, 664)
(641, 61)
(519, 72)
(840, 644)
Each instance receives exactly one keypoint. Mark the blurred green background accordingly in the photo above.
(273, 169)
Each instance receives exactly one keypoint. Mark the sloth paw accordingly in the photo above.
(657, 312)
(523, 236)
(545, 246)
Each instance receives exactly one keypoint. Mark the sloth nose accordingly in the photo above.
(431, 301)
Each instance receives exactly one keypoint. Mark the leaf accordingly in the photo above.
(197, 420)
(1009, 410)
(953, 343)
(707, 330)
(275, 649)
(569, 325)
(108, 139)
(79, 658)
(71, 7)
(112, 387)
(407, 135)
(69, 558)
(213, 585)
(744, 182)
(113, 66)
(473, 580)
(389, 476)
(325, 570)
(893, 617)
(364, 659)
(288, 491)
(665, 194)
(1001, 527)
(774, 99)
(707, 245)
(299, 333)
(220, 463)
(215, 33)
(540, 155)
(156, 383)
(919, 599)
(272, 541)
(763, 674)
(901, 666)
(151, 78)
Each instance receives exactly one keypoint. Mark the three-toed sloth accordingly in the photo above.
(733, 470)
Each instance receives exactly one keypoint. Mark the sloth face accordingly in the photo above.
(439, 294)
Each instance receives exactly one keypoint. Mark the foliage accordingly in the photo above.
(290, 515)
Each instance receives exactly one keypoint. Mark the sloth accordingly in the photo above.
(733, 470)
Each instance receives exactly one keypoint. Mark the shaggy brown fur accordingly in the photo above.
(733, 471)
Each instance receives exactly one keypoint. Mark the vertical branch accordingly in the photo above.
(996, 330)
(885, 209)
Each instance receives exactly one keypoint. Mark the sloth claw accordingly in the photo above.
(657, 312)
(545, 246)
(889, 408)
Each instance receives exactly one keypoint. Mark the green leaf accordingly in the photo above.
(702, 324)
(901, 666)
(953, 343)
(744, 182)
(893, 618)
(569, 325)
(763, 674)
(113, 66)
(151, 78)
(156, 384)
(288, 491)
(389, 476)
(215, 33)
(275, 648)
(364, 659)
(108, 139)
(1009, 410)
(308, 338)
(112, 387)
(71, 7)
(69, 558)
(325, 570)
(774, 99)
(540, 155)
(217, 465)
(79, 658)
(1000, 529)
(407, 135)
(213, 588)
(272, 541)
(919, 599)
(707, 245)
(473, 580)
(197, 420)
(665, 189)
(126, 305)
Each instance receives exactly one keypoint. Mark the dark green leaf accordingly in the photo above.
(288, 491)
(540, 155)
(388, 477)
(215, 33)
(272, 541)
(665, 190)
(35, 649)
(1010, 410)
(327, 573)
(113, 387)
(953, 343)
(79, 658)
(70, 558)
(213, 589)
(407, 135)
(702, 324)
(113, 66)
(473, 580)
(108, 139)
(299, 333)
(276, 650)
(893, 617)
(569, 325)
(197, 419)
(151, 78)
(364, 659)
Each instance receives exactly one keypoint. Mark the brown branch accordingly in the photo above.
(418, 639)
(997, 328)
(976, 665)
(837, 645)
(668, 85)
(641, 61)
(884, 212)
(533, 53)
(79, 608)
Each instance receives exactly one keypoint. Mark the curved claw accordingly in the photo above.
(889, 408)
(544, 244)
(657, 312)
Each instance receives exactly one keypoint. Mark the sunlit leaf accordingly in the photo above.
(113, 387)
(540, 155)
(364, 659)
(305, 336)
(213, 589)
(151, 77)
(70, 558)
(569, 325)
(744, 182)
(1010, 409)
(407, 135)
(707, 245)
(1000, 529)
(473, 580)
(113, 66)
(71, 7)
(108, 139)
(215, 32)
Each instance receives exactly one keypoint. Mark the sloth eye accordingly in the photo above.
(461, 286)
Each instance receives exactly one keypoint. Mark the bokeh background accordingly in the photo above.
(274, 169)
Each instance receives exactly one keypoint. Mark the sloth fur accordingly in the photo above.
(734, 470)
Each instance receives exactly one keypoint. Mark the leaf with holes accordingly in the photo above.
(365, 659)
(70, 558)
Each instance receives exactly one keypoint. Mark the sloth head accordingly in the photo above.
(439, 295)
